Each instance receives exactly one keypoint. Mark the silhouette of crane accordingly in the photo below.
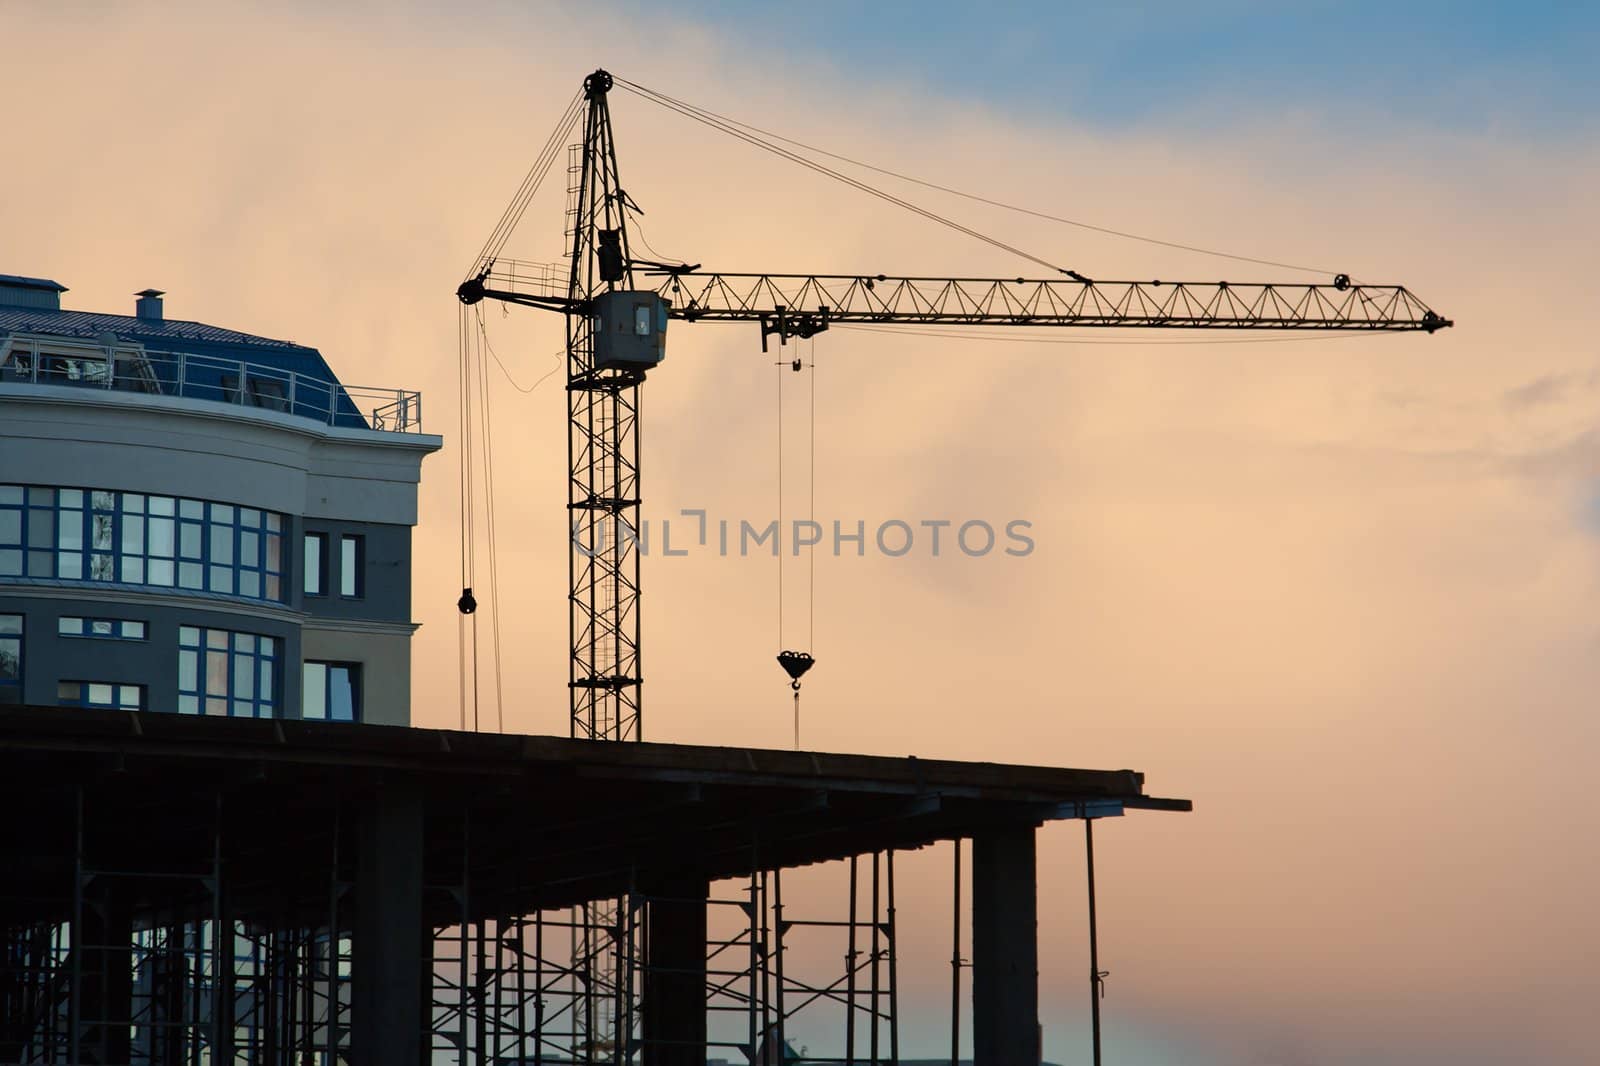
(617, 307)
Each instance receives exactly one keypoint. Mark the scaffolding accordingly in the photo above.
(193, 893)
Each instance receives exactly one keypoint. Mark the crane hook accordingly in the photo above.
(795, 664)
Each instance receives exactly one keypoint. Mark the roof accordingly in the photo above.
(17, 281)
(553, 821)
(169, 334)
(185, 338)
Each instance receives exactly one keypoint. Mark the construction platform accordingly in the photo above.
(393, 892)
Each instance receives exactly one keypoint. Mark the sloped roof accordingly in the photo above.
(17, 281)
(196, 338)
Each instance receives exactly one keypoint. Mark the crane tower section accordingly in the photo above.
(604, 370)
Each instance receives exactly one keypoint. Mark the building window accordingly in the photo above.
(227, 674)
(100, 694)
(104, 628)
(96, 535)
(10, 658)
(352, 558)
(316, 564)
(332, 691)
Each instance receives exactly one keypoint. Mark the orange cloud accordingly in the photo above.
(1338, 591)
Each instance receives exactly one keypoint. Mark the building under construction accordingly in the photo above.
(191, 890)
(281, 873)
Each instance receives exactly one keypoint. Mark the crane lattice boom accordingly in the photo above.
(865, 298)
(805, 304)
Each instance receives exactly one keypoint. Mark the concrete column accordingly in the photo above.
(674, 1006)
(391, 951)
(1005, 948)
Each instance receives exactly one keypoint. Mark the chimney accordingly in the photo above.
(149, 304)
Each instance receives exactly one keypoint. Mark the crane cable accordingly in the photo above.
(477, 459)
(467, 605)
(666, 100)
(473, 344)
(490, 522)
(797, 663)
(708, 119)
(530, 185)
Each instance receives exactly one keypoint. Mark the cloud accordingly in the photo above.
(1340, 592)
(1548, 389)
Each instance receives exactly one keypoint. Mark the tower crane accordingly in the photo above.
(617, 308)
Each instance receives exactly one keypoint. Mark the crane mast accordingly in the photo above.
(602, 451)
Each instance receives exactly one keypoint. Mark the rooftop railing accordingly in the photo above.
(209, 377)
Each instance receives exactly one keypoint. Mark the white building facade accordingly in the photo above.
(198, 520)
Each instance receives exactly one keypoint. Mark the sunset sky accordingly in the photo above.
(1340, 591)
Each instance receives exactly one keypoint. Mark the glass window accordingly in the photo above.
(10, 658)
(101, 694)
(221, 672)
(101, 535)
(71, 532)
(161, 543)
(314, 703)
(316, 563)
(104, 628)
(331, 691)
(352, 558)
(343, 703)
(42, 526)
(221, 543)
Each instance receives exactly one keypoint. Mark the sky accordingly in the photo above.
(1338, 591)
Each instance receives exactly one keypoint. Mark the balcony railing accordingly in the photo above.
(209, 377)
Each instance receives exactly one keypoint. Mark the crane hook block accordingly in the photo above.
(468, 603)
(795, 664)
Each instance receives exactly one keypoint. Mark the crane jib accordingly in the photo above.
(801, 305)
